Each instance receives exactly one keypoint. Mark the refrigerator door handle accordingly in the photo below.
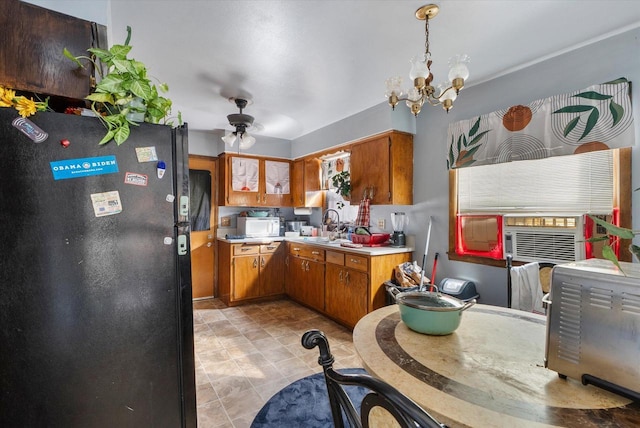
(182, 245)
(184, 206)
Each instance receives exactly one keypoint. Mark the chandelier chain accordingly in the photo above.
(427, 54)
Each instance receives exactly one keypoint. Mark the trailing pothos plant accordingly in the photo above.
(613, 236)
(123, 91)
(342, 182)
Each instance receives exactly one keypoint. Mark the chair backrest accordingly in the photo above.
(404, 410)
(544, 269)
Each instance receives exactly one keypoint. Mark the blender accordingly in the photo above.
(398, 220)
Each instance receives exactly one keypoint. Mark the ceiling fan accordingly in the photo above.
(241, 122)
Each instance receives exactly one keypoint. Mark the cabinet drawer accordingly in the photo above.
(307, 251)
(269, 248)
(356, 262)
(335, 257)
(244, 250)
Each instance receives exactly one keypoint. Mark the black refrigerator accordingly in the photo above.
(96, 318)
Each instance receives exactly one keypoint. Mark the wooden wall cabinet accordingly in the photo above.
(32, 44)
(305, 183)
(245, 182)
(382, 169)
(250, 271)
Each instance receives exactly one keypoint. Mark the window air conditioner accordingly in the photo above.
(553, 238)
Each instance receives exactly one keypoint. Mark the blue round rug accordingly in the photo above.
(305, 402)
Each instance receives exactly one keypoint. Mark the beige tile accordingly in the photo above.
(240, 403)
(205, 394)
(212, 415)
(246, 354)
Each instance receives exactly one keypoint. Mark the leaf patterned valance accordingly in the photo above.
(595, 118)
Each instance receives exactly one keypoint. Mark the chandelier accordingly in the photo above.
(423, 91)
(241, 122)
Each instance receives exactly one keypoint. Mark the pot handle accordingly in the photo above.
(393, 290)
(468, 305)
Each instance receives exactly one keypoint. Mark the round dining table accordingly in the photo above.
(489, 372)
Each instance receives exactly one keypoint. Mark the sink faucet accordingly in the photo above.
(325, 216)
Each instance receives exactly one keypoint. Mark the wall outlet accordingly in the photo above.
(225, 221)
(381, 223)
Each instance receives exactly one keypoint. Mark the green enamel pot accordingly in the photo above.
(431, 313)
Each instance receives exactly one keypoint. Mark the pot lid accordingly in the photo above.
(429, 301)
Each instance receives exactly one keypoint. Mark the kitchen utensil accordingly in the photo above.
(433, 270)
(431, 313)
(398, 221)
(424, 256)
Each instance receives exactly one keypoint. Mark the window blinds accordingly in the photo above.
(576, 184)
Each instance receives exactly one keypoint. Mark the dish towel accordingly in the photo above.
(526, 291)
(363, 213)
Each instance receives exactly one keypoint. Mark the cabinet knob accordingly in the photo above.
(296, 249)
(255, 263)
(315, 253)
(340, 275)
(346, 278)
(262, 262)
(356, 261)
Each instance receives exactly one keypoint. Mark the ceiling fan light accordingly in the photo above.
(229, 138)
(246, 141)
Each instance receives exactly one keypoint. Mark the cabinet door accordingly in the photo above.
(346, 294)
(246, 274)
(31, 55)
(370, 171)
(276, 189)
(271, 273)
(297, 183)
(295, 270)
(238, 181)
(311, 286)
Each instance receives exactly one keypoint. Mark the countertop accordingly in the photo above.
(488, 373)
(326, 244)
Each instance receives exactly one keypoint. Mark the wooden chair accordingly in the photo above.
(405, 411)
(545, 269)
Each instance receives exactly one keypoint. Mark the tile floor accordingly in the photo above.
(245, 354)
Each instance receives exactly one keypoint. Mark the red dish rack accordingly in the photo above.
(373, 240)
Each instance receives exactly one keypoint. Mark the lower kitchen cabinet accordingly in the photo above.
(250, 271)
(305, 275)
(341, 284)
(346, 293)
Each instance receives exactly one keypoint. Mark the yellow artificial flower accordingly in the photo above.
(6, 97)
(25, 106)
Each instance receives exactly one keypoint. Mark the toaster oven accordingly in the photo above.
(593, 324)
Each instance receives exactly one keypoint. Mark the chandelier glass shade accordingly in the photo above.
(423, 90)
(241, 122)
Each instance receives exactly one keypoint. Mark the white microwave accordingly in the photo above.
(258, 227)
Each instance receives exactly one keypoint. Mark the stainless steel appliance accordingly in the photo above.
(259, 227)
(96, 321)
(593, 324)
(398, 221)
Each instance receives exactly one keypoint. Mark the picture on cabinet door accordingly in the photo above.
(244, 174)
(277, 177)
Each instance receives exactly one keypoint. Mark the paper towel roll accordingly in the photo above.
(302, 211)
